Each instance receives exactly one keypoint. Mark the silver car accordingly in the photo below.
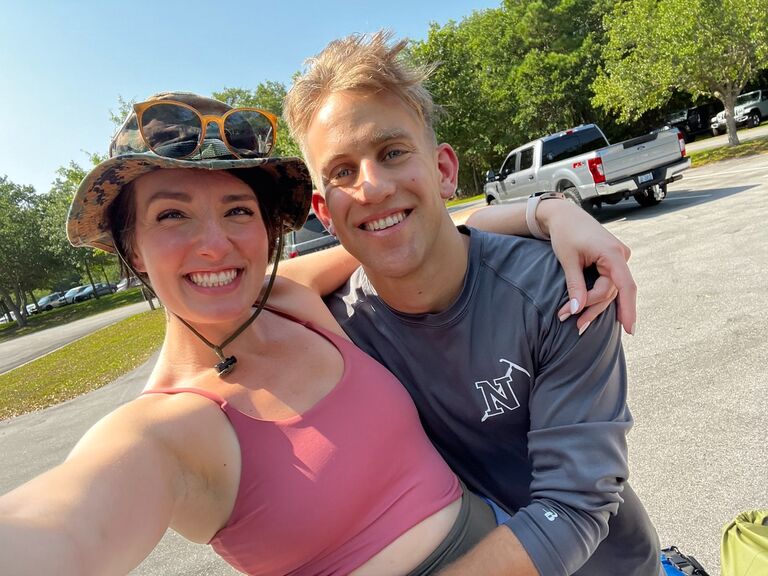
(310, 238)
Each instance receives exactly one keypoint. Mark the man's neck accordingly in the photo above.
(435, 285)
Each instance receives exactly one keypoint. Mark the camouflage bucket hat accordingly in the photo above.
(289, 194)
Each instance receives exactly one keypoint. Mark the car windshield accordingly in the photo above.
(679, 116)
(747, 98)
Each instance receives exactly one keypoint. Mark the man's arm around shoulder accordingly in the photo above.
(498, 554)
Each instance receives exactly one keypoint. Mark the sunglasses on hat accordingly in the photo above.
(177, 130)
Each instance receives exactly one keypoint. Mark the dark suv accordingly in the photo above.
(310, 238)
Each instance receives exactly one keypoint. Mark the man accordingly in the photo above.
(529, 411)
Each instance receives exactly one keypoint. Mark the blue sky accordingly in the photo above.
(63, 64)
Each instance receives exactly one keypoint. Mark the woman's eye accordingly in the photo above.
(168, 214)
(240, 211)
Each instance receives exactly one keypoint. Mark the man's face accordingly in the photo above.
(384, 180)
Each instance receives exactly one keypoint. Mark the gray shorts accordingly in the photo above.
(475, 520)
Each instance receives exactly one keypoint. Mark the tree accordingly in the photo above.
(512, 74)
(24, 260)
(267, 96)
(702, 47)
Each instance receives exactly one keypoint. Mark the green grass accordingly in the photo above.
(748, 148)
(464, 200)
(82, 366)
(65, 314)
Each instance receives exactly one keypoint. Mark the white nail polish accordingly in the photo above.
(574, 305)
(634, 329)
(584, 328)
(564, 316)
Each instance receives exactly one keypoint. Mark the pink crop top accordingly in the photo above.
(323, 492)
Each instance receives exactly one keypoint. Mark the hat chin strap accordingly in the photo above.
(226, 363)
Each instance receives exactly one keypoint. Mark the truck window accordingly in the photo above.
(560, 148)
(591, 139)
(526, 158)
(509, 165)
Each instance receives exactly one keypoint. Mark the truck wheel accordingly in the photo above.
(491, 200)
(651, 196)
(572, 194)
(754, 119)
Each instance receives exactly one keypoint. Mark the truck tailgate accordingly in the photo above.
(639, 155)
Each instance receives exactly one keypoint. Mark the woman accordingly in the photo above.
(262, 431)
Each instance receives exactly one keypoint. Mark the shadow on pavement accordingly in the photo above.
(677, 200)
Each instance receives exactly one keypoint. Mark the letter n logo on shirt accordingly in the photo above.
(498, 395)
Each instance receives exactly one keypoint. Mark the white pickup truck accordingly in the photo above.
(588, 170)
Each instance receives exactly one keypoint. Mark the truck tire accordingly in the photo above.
(651, 196)
(572, 194)
(754, 119)
(491, 200)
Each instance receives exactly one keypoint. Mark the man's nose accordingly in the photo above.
(375, 184)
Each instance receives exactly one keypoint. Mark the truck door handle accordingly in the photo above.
(530, 177)
(641, 147)
(512, 182)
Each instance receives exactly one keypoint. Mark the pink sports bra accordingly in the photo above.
(323, 492)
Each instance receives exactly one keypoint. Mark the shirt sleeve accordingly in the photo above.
(577, 442)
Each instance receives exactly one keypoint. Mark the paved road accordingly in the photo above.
(18, 351)
(698, 368)
(744, 134)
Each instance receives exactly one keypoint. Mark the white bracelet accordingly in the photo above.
(530, 213)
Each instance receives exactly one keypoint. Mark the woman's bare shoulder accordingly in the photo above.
(300, 302)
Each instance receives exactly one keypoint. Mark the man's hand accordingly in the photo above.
(499, 553)
(580, 241)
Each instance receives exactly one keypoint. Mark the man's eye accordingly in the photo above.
(391, 154)
(240, 211)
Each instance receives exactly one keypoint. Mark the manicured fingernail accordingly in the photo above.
(634, 329)
(574, 306)
(584, 328)
(564, 316)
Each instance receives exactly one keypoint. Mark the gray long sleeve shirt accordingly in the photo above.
(523, 409)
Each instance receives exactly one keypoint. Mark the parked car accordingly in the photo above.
(310, 238)
(581, 164)
(693, 121)
(749, 110)
(126, 283)
(99, 289)
(717, 124)
(49, 302)
(69, 295)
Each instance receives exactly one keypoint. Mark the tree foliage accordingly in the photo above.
(267, 96)
(702, 47)
(512, 74)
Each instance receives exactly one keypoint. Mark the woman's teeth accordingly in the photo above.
(211, 279)
(383, 223)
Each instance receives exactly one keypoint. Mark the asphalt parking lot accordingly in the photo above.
(698, 368)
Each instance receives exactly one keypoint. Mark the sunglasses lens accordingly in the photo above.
(171, 130)
(249, 133)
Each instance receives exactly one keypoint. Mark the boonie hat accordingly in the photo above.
(289, 191)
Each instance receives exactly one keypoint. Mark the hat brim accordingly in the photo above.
(87, 223)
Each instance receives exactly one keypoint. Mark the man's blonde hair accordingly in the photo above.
(368, 63)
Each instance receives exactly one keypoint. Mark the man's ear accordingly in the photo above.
(448, 166)
(321, 209)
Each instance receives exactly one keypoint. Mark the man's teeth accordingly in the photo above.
(383, 223)
(210, 279)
